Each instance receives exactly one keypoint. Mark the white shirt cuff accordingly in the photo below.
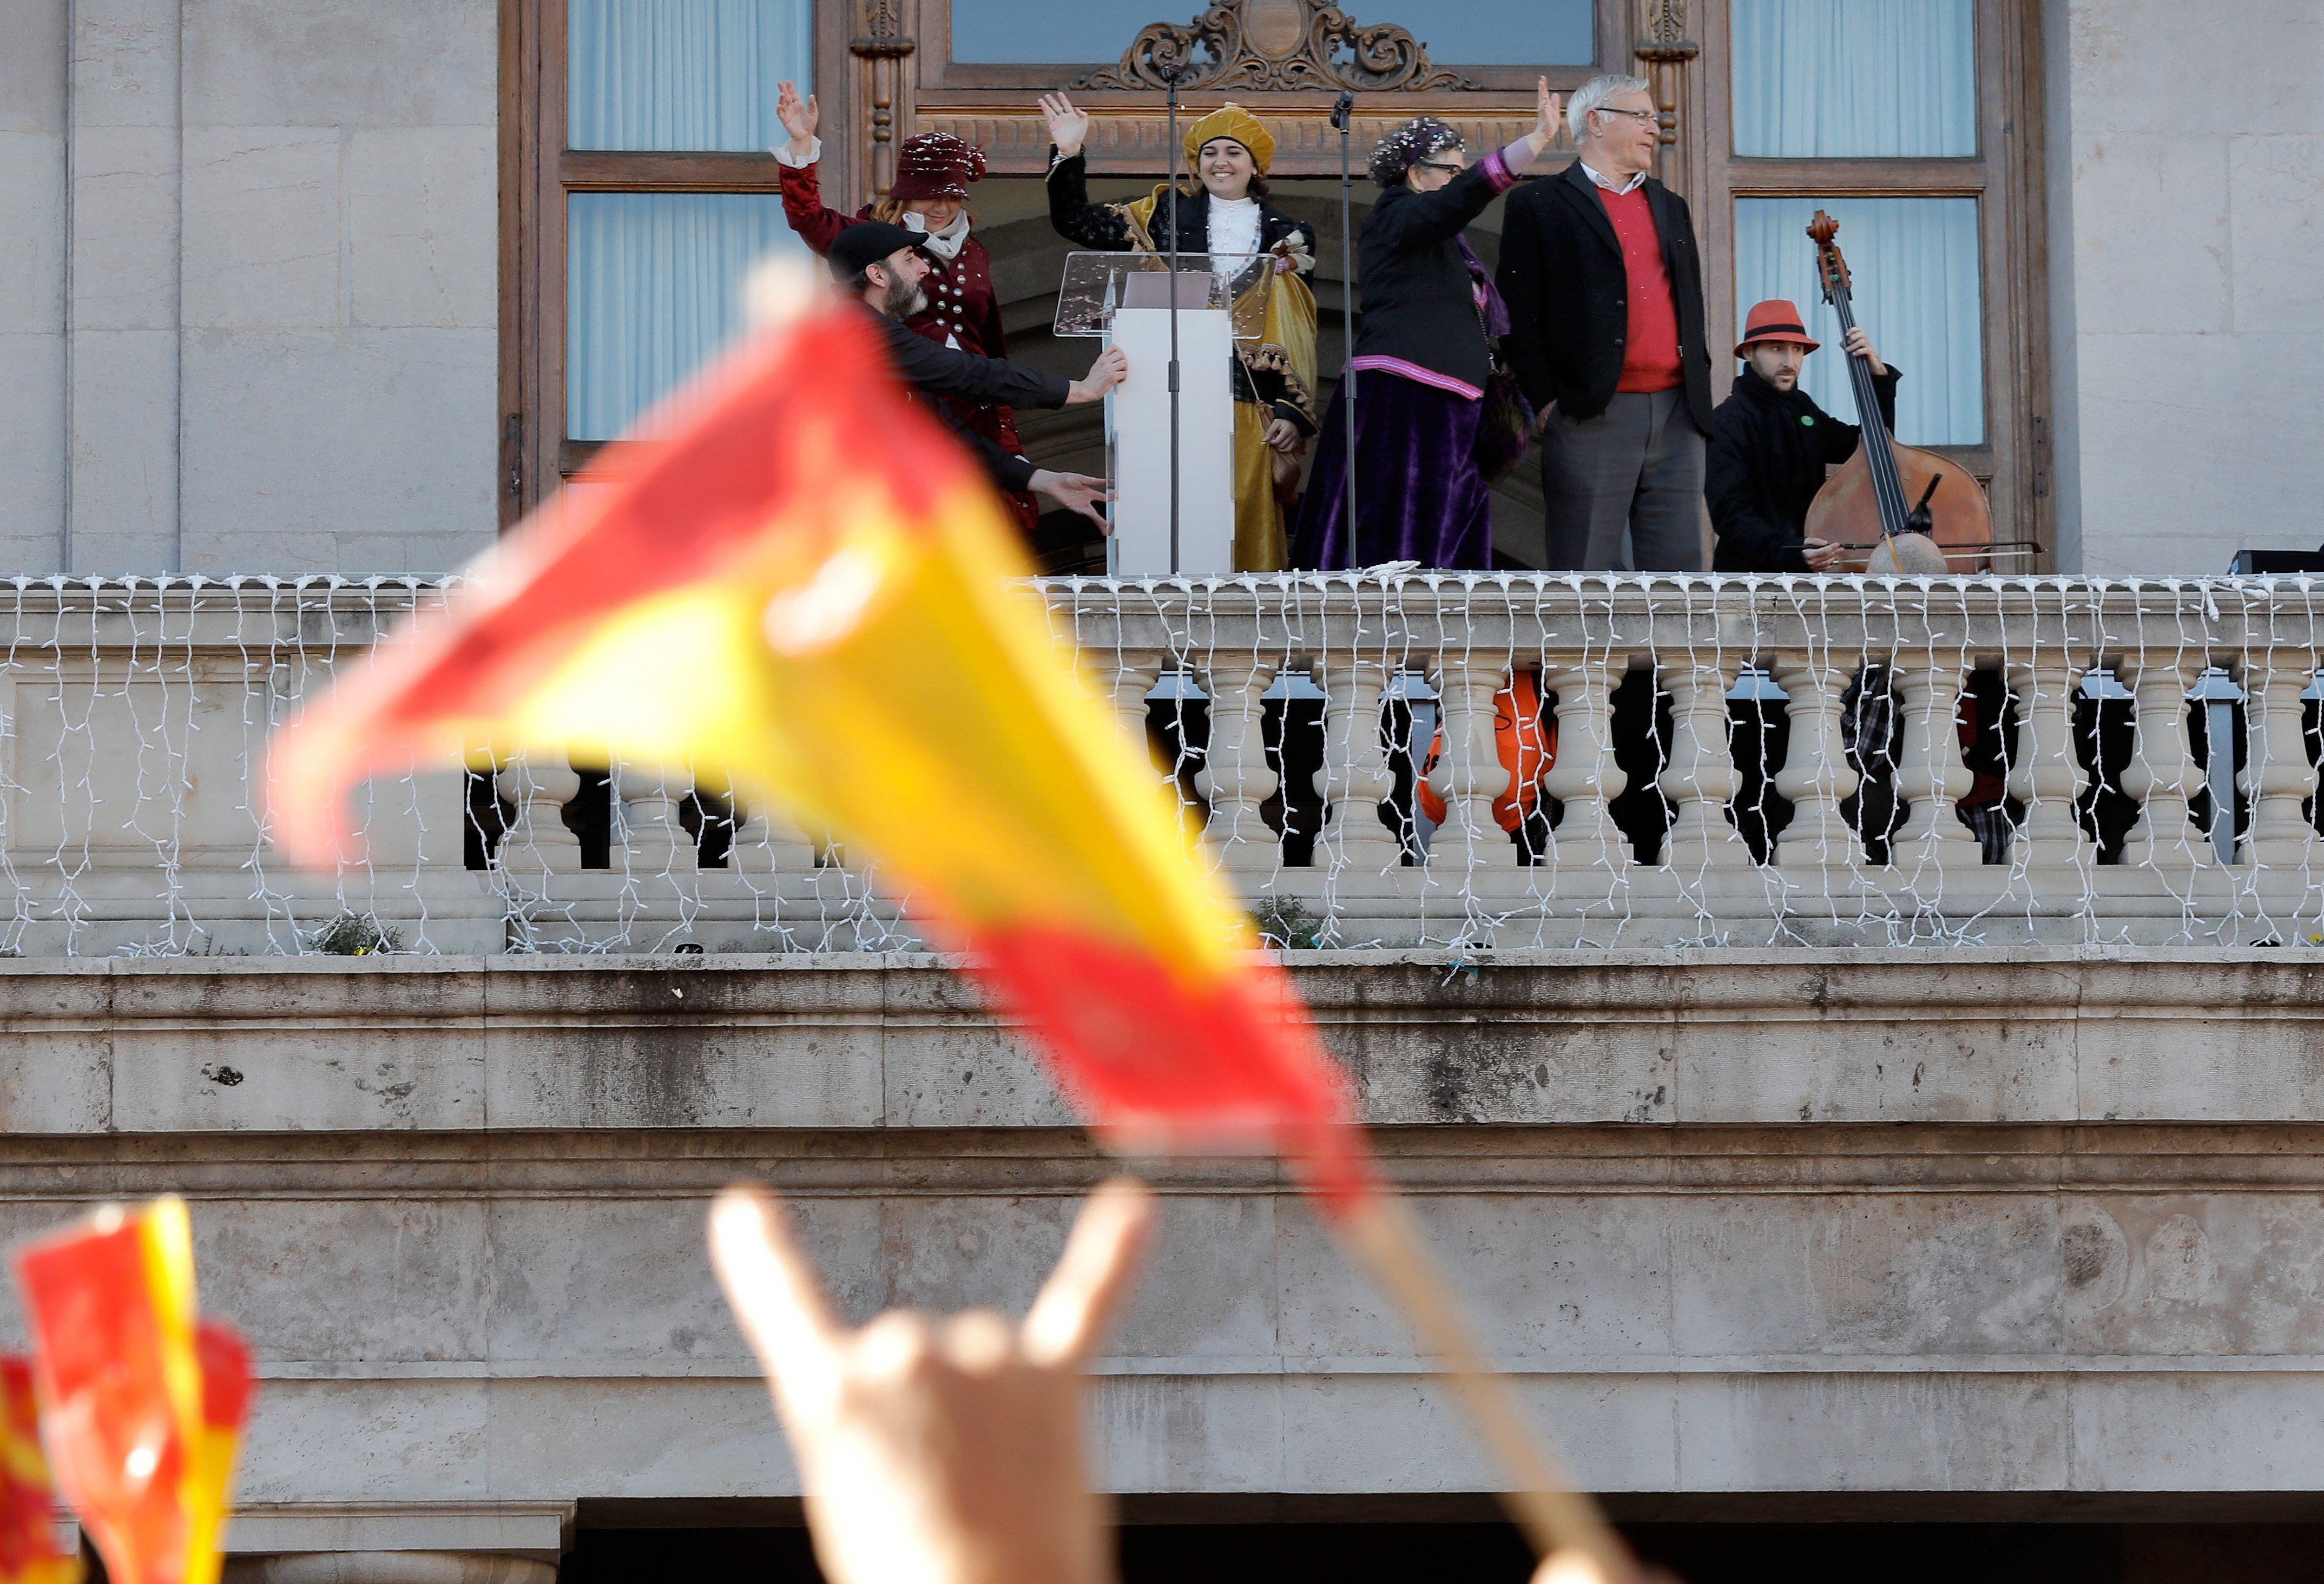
(782, 152)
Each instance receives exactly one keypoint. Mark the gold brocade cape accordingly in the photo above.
(1274, 315)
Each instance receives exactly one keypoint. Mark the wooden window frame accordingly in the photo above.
(2005, 180)
(537, 175)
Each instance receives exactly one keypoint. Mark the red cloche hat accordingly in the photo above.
(936, 165)
(1776, 320)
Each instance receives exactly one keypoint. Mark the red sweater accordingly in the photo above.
(1650, 349)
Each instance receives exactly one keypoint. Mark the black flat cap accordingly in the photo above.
(867, 242)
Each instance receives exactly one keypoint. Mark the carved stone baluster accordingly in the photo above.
(1930, 774)
(1701, 778)
(541, 786)
(2277, 776)
(1355, 778)
(1469, 773)
(2163, 774)
(1134, 676)
(769, 842)
(1816, 777)
(653, 839)
(1584, 778)
(1235, 776)
(2044, 774)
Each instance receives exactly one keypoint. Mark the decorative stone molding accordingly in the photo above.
(389, 1567)
(1275, 45)
(530, 1534)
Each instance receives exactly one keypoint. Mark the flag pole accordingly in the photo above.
(1383, 1232)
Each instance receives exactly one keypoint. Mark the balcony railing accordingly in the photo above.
(1737, 761)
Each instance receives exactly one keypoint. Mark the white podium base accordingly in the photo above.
(1137, 432)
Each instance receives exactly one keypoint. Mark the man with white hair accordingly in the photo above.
(1604, 286)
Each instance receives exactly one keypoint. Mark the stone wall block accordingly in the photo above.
(345, 62)
(32, 56)
(2199, 1274)
(424, 226)
(2133, 60)
(32, 268)
(125, 229)
(124, 450)
(690, 1437)
(2257, 1430)
(381, 438)
(263, 228)
(124, 63)
(32, 450)
(1403, 1431)
(373, 1278)
(1844, 1432)
(2160, 264)
(417, 1438)
(2276, 205)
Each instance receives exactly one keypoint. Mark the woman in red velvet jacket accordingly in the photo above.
(930, 196)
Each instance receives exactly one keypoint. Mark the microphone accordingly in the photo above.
(1344, 109)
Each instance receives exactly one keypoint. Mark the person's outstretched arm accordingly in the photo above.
(940, 1451)
(802, 206)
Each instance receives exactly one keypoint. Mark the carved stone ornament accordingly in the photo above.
(1275, 44)
(883, 32)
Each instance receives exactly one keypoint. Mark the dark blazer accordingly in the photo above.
(1765, 464)
(1418, 301)
(933, 371)
(1563, 278)
(1100, 228)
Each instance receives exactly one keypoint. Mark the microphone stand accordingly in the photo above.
(1343, 117)
(1170, 75)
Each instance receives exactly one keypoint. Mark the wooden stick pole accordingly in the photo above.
(1384, 1232)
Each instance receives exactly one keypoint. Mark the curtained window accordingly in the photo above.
(1855, 78)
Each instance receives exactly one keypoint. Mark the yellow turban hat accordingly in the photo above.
(1233, 121)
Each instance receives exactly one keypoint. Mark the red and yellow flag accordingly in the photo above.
(28, 1551)
(144, 1402)
(809, 585)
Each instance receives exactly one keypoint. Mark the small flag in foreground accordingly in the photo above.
(28, 1551)
(809, 585)
(144, 1402)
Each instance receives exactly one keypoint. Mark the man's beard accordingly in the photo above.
(905, 297)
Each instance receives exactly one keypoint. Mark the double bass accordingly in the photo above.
(1890, 488)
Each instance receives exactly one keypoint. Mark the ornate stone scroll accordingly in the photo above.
(1275, 44)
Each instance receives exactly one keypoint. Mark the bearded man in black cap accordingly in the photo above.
(880, 266)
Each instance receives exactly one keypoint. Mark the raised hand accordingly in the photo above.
(1549, 114)
(799, 118)
(1068, 127)
(945, 1451)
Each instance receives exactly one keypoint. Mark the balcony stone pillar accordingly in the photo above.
(388, 1566)
(1930, 774)
(539, 786)
(2043, 773)
(1468, 771)
(1584, 778)
(652, 837)
(2163, 775)
(2277, 776)
(1701, 778)
(1235, 776)
(1816, 778)
(1355, 778)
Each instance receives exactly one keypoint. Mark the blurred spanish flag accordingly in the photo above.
(28, 1551)
(143, 1399)
(810, 585)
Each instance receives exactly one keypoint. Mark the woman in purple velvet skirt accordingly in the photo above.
(1421, 362)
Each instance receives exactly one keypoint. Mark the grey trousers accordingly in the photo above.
(1635, 469)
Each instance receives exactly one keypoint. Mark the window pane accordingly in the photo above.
(653, 289)
(1914, 263)
(1855, 78)
(1456, 32)
(683, 74)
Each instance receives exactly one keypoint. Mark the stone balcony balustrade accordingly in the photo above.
(2153, 745)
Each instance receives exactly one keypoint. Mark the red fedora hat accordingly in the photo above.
(1776, 320)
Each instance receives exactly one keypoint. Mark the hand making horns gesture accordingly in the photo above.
(941, 1451)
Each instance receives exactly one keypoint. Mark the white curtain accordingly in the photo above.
(1916, 266)
(653, 289)
(1855, 78)
(683, 74)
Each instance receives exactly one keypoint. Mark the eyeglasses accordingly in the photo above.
(1633, 115)
(1437, 165)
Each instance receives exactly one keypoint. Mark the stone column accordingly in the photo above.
(2277, 776)
(1469, 773)
(652, 837)
(541, 786)
(1134, 676)
(1584, 778)
(1816, 777)
(1930, 774)
(1701, 778)
(2163, 774)
(1235, 776)
(388, 1566)
(1355, 778)
(2043, 773)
